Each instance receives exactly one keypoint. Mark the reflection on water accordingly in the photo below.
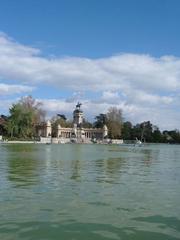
(22, 171)
(76, 173)
(89, 192)
(109, 170)
(76, 165)
(21, 165)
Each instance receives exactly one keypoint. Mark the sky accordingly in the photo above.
(103, 53)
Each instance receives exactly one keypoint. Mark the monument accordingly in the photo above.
(77, 133)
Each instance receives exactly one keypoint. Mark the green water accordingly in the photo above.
(92, 192)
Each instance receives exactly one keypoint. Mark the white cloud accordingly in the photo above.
(144, 98)
(75, 97)
(8, 47)
(114, 73)
(139, 84)
(6, 89)
(110, 97)
(5, 105)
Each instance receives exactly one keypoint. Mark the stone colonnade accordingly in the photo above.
(75, 132)
(86, 133)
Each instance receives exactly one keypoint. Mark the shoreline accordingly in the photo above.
(17, 141)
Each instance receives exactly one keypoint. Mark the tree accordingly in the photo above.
(157, 136)
(143, 131)
(147, 131)
(60, 119)
(24, 116)
(62, 116)
(136, 131)
(86, 124)
(114, 122)
(3, 122)
(172, 136)
(127, 130)
(101, 120)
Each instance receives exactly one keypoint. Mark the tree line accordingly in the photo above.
(145, 131)
(27, 113)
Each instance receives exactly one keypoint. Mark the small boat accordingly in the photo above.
(138, 143)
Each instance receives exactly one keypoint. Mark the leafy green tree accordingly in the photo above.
(136, 132)
(157, 135)
(143, 131)
(87, 124)
(24, 116)
(101, 120)
(172, 136)
(146, 131)
(127, 131)
(3, 122)
(61, 120)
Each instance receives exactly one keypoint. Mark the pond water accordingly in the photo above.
(81, 192)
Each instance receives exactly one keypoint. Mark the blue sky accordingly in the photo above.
(92, 28)
(101, 52)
